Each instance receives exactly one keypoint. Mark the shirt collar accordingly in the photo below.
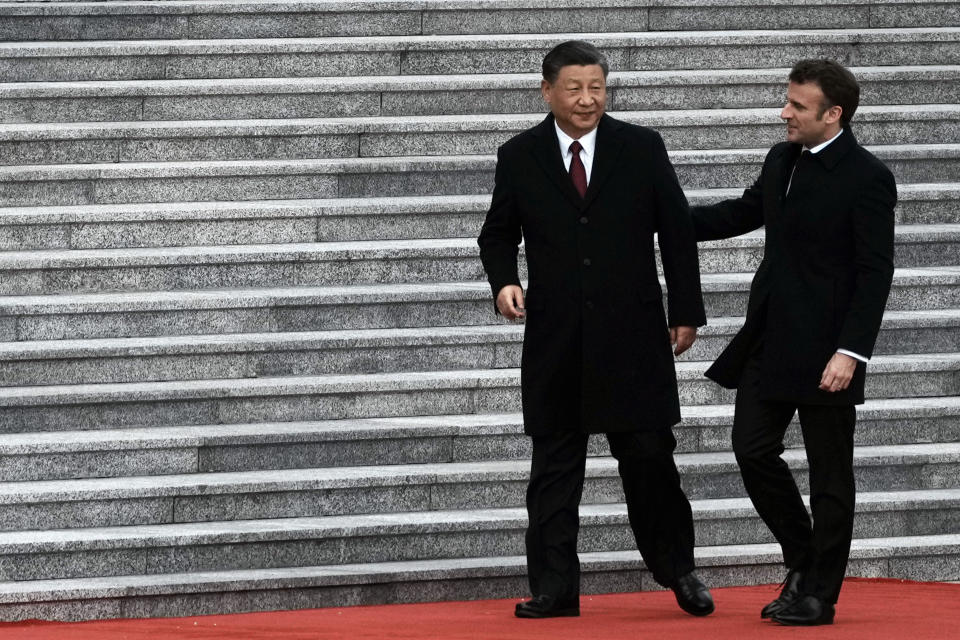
(587, 141)
(820, 147)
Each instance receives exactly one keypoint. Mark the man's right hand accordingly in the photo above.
(510, 302)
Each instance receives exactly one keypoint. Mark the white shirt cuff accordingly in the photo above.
(856, 356)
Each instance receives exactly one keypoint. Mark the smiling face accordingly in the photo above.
(807, 122)
(577, 98)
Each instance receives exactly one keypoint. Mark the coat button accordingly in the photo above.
(586, 262)
(584, 220)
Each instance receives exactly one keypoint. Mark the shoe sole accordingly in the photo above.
(559, 613)
(814, 623)
(699, 612)
(802, 623)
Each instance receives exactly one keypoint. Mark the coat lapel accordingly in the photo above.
(788, 160)
(546, 149)
(606, 155)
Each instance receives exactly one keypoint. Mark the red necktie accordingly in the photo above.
(577, 173)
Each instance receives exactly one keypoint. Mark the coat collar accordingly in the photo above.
(828, 157)
(547, 152)
(835, 151)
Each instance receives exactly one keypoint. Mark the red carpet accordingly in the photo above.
(868, 609)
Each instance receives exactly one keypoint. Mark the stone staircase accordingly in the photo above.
(249, 358)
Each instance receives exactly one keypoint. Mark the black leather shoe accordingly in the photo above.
(788, 595)
(692, 595)
(806, 611)
(547, 607)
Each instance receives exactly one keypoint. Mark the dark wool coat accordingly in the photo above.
(596, 352)
(826, 271)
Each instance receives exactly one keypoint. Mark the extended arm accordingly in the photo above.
(731, 217)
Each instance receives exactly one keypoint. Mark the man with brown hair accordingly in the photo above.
(813, 316)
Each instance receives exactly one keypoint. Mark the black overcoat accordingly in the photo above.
(826, 271)
(596, 352)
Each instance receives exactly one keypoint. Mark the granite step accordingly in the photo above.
(217, 448)
(238, 19)
(465, 54)
(390, 136)
(117, 183)
(312, 353)
(299, 398)
(385, 489)
(923, 558)
(406, 95)
(326, 220)
(346, 263)
(239, 266)
(416, 536)
(158, 313)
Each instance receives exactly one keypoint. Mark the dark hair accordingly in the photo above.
(572, 52)
(839, 86)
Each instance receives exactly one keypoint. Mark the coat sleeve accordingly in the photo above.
(731, 217)
(501, 234)
(678, 245)
(873, 229)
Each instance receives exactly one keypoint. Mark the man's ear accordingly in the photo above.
(833, 114)
(545, 90)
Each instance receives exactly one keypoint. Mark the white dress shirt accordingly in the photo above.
(589, 144)
(823, 145)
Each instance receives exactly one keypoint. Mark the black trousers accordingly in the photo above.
(821, 548)
(658, 509)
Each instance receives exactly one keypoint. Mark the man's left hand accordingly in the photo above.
(839, 372)
(683, 337)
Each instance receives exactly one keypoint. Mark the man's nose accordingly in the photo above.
(786, 113)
